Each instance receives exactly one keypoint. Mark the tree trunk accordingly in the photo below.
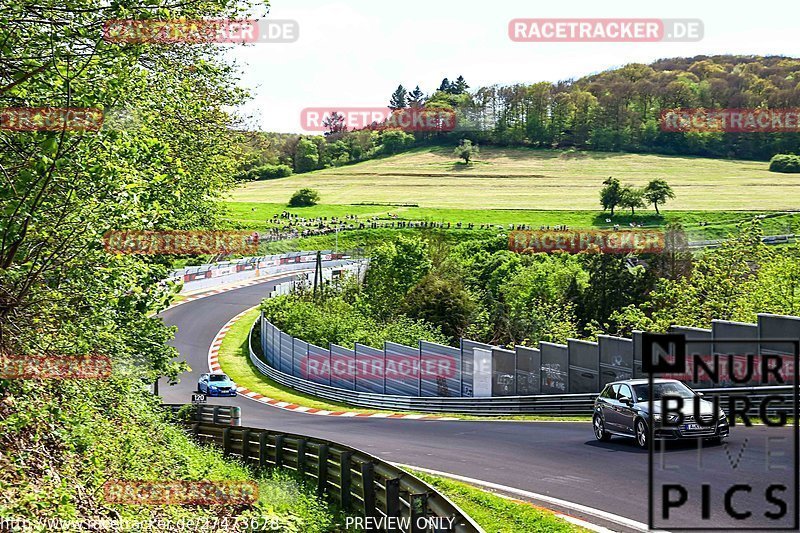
(655, 204)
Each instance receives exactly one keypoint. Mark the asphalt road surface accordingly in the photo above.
(555, 459)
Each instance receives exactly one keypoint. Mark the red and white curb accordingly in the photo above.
(213, 365)
(226, 288)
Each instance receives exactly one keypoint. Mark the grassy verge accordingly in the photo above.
(235, 361)
(497, 514)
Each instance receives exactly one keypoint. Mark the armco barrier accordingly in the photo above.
(357, 481)
(543, 404)
(208, 276)
(214, 414)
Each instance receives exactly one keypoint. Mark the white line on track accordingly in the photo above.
(609, 517)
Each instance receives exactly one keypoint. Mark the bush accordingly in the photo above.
(395, 141)
(337, 321)
(787, 163)
(63, 439)
(304, 198)
(268, 172)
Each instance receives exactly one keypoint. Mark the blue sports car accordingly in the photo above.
(216, 385)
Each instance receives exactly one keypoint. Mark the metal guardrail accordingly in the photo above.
(547, 404)
(356, 480)
(227, 415)
(767, 239)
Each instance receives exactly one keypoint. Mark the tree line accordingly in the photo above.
(620, 109)
(616, 110)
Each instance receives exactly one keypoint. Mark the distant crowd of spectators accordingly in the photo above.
(288, 225)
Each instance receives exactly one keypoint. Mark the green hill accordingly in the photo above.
(519, 178)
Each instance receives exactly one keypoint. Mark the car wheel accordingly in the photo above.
(641, 434)
(600, 432)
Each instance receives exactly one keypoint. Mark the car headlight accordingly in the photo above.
(671, 418)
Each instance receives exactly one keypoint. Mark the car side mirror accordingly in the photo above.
(700, 394)
(625, 400)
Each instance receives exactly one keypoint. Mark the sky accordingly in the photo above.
(354, 53)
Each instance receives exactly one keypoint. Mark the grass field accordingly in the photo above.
(528, 179)
(717, 224)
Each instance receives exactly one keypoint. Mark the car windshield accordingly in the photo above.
(219, 377)
(661, 389)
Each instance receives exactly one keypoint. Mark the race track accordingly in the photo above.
(560, 460)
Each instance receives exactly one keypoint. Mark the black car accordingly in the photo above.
(623, 409)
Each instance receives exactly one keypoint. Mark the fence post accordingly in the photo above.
(301, 456)
(393, 499)
(279, 351)
(245, 445)
(226, 441)
(355, 365)
(330, 368)
(278, 450)
(262, 449)
(322, 469)
(368, 482)
(516, 370)
(461, 370)
(419, 508)
(215, 414)
(384, 367)
(419, 368)
(344, 478)
(263, 337)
